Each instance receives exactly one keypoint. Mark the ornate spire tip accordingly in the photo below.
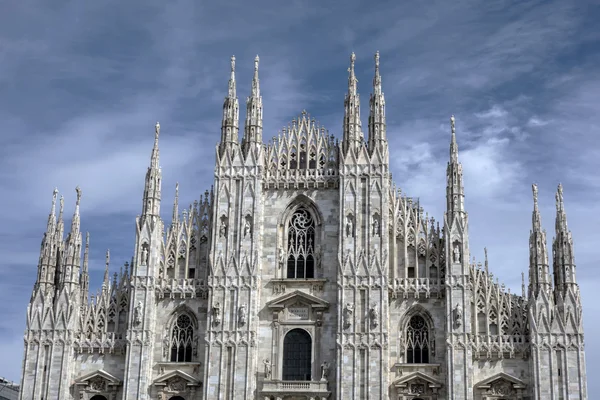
(534, 189)
(452, 123)
(78, 191)
(232, 63)
(377, 59)
(352, 58)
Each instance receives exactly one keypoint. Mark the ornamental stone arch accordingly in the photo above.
(180, 341)
(417, 328)
(299, 240)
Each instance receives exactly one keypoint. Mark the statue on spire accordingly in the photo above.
(157, 130)
(78, 191)
(534, 188)
(452, 124)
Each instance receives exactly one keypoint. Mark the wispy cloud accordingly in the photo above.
(83, 84)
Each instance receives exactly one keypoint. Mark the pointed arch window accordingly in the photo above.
(182, 335)
(300, 246)
(417, 341)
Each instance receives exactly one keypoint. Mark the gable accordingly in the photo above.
(297, 298)
(98, 380)
(418, 377)
(487, 383)
(176, 380)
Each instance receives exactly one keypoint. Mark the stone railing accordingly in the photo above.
(500, 346)
(181, 288)
(416, 287)
(301, 178)
(312, 388)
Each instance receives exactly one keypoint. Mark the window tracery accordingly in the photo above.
(417, 341)
(182, 335)
(300, 245)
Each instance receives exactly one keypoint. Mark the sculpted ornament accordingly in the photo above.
(324, 370)
(223, 228)
(247, 227)
(217, 313)
(349, 226)
(281, 257)
(457, 316)
(242, 315)
(267, 368)
(137, 313)
(456, 253)
(374, 316)
(348, 311)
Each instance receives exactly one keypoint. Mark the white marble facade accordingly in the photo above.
(305, 273)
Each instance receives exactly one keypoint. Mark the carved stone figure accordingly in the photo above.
(349, 226)
(374, 316)
(217, 313)
(247, 228)
(376, 226)
(281, 257)
(137, 313)
(348, 312)
(457, 253)
(166, 343)
(324, 370)
(457, 316)
(223, 228)
(267, 368)
(144, 255)
(242, 315)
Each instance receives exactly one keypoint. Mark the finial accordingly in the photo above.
(62, 204)
(87, 239)
(54, 194)
(78, 191)
(352, 58)
(452, 124)
(107, 257)
(232, 63)
(534, 189)
(377, 59)
(559, 195)
(256, 60)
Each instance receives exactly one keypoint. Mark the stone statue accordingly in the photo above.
(456, 253)
(267, 368)
(281, 257)
(144, 255)
(166, 347)
(374, 316)
(217, 313)
(242, 315)
(348, 311)
(349, 226)
(375, 226)
(247, 228)
(137, 313)
(457, 316)
(223, 228)
(324, 370)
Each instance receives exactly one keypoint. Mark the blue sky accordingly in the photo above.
(82, 84)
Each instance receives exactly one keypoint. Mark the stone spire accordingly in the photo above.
(562, 248)
(254, 114)
(106, 281)
(175, 217)
(84, 279)
(377, 131)
(539, 279)
(455, 196)
(152, 191)
(231, 113)
(72, 259)
(353, 135)
(49, 247)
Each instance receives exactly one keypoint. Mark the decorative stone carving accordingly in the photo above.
(456, 253)
(97, 384)
(376, 225)
(324, 370)
(267, 368)
(349, 225)
(166, 343)
(242, 315)
(374, 316)
(248, 226)
(281, 257)
(348, 312)
(137, 313)
(457, 316)
(216, 311)
(176, 385)
(223, 227)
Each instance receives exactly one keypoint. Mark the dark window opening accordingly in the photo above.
(417, 343)
(301, 241)
(297, 354)
(181, 339)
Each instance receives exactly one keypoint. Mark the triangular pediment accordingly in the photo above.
(418, 376)
(486, 383)
(298, 297)
(102, 374)
(176, 375)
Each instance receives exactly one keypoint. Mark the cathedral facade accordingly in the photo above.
(304, 273)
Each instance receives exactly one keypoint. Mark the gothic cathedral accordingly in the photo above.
(304, 273)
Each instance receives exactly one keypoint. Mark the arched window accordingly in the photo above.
(297, 356)
(98, 397)
(301, 243)
(417, 341)
(182, 335)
